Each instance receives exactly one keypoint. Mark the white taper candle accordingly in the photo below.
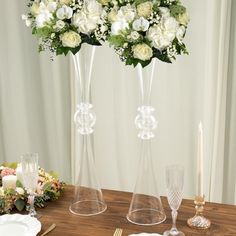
(200, 161)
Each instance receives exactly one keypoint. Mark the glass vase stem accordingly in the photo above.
(84, 71)
(145, 76)
(146, 207)
(88, 199)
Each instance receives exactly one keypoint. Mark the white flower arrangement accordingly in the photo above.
(139, 30)
(63, 25)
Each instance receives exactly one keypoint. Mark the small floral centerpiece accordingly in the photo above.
(63, 25)
(140, 30)
(15, 196)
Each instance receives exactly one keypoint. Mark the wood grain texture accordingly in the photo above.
(223, 218)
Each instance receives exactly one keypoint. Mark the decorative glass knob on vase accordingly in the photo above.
(146, 206)
(88, 198)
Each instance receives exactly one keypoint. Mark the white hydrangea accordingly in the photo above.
(163, 34)
(118, 26)
(165, 12)
(45, 13)
(126, 13)
(43, 18)
(87, 19)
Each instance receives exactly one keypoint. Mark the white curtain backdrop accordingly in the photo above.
(38, 98)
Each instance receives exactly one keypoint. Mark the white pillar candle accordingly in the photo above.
(9, 181)
(19, 175)
(200, 161)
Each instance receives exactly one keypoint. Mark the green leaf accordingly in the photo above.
(161, 56)
(47, 186)
(20, 204)
(12, 165)
(19, 184)
(90, 39)
(137, 2)
(54, 174)
(43, 32)
(116, 40)
(62, 50)
(176, 10)
(34, 30)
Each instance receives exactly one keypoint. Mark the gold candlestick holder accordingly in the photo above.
(199, 221)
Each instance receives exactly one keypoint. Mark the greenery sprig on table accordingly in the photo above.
(49, 189)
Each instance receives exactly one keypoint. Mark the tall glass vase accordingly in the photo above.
(88, 198)
(146, 207)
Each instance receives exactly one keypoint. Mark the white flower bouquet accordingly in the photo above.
(63, 25)
(140, 30)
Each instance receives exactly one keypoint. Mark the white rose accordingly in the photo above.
(70, 39)
(118, 26)
(134, 35)
(183, 19)
(126, 13)
(20, 191)
(64, 12)
(145, 9)
(85, 24)
(142, 52)
(141, 24)
(112, 16)
(180, 34)
(60, 24)
(165, 12)
(65, 2)
(34, 9)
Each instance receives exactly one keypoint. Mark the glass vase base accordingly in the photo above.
(173, 233)
(88, 207)
(146, 216)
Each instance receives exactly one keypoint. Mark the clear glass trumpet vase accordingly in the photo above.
(88, 198)
(146, 206)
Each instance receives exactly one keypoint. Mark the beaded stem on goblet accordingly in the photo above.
(199, 221)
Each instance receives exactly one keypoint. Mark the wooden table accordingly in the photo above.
(223, 218)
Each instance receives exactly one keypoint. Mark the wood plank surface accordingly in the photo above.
(223, 218)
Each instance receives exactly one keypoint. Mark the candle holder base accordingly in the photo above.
(199, 221)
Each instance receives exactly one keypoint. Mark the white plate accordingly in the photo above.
(146, 234)
(20, 225)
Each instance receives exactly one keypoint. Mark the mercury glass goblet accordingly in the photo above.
(174, 182)
(29, 163)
